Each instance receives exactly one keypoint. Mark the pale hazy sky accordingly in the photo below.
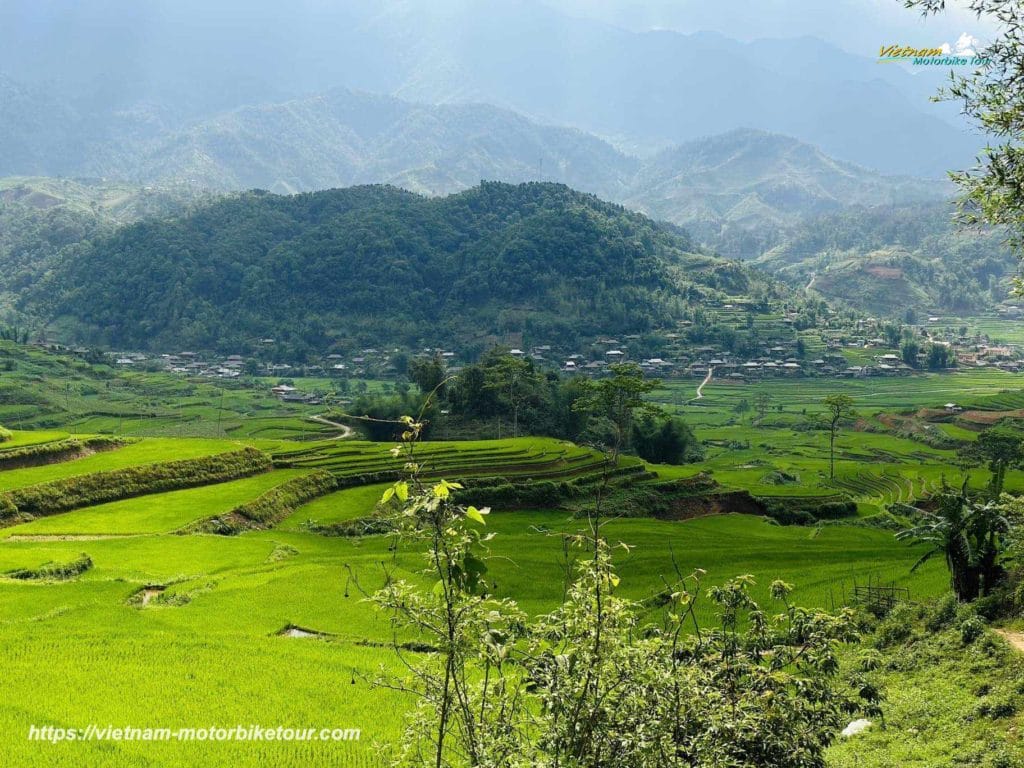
(857, 26)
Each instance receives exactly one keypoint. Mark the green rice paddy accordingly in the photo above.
(205, 647)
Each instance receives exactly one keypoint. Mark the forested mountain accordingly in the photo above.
(42, 219)
(888, 259)
(377, 265)
(172, 64)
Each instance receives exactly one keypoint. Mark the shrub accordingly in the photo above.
(807, 511)
(272, 506)
(58, 450)
(971, 629)
(360, 526)
(942, 615)
(896, 627)
(5, 435)
(57, 571)
(997, 707)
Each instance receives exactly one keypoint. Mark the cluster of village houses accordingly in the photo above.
(856, 351)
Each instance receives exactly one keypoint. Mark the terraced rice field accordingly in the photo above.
(205, 645)
(874, 464)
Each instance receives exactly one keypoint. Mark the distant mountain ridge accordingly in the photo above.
(180, 62)
(754, 184)
(736, 191)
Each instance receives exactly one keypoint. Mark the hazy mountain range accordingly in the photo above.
(136, 68)
(742, 181)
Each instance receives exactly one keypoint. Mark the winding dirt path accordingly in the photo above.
(344, 430)
(700, 387)
(810, 283)
(1016, 639)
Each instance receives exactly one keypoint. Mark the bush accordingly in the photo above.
(971, 629)
(58, 450)
(895, 628)
(5, 435)
(942, 615)
(58, 571)
(807, 511)
(666, 441)
(997, 707)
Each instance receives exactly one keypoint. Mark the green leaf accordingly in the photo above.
(477, 515)
(402, 491)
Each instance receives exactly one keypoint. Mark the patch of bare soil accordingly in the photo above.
(888, 273)
(293, 631)
(1016, 639)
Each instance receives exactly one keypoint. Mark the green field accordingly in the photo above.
(875, 464)
(207, 649)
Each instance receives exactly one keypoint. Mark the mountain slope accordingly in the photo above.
(344, 138)
(377, 265)
(758, 181)
(891, 259)
(41, 219)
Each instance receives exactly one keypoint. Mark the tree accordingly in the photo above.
(939, 357)
(470, 711)
(515, 381)
(993, 191)
(969, 536)
(427, 373)
(998, 447)
(838, 408)
(762, 400)
(665, 440)
(908, 352)
(612, 403)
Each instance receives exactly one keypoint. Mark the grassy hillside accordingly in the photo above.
(381, 266)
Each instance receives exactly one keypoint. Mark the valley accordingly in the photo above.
(511, 384)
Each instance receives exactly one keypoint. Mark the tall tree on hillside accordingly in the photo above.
(427, 373)
(998, 447)
(838, 408)
(613, 403)
(515, 381)
(992, 97)
(761, 402)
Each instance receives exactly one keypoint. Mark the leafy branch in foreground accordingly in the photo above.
(992, 97)
(599, 681)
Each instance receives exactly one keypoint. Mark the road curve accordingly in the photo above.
(345, 431)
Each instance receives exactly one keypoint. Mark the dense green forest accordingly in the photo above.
(41, 220)
(377, 265)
